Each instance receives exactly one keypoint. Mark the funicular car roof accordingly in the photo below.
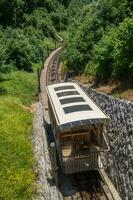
(72, 107)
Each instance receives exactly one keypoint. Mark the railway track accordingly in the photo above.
(80, 186)
(52, 72)
(86, 186)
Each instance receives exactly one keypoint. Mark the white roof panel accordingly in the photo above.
(71, 104)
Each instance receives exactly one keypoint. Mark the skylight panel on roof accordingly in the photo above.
(71, 100)
(64, 87)
(67, 93)
(77, 108)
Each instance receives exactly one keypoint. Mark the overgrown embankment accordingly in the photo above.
(101, 41)
(17, 93)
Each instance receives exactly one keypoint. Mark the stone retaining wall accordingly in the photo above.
(45, 189)
(120, 138)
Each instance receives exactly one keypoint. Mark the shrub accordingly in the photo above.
(96, 19)
(19, 50)
(112, 56)
(40, 19)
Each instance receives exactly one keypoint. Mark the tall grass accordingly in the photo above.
(17, 178)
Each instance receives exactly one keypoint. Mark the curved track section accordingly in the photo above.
(49, 75)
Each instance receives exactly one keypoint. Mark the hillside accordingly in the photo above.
(101, 41)
(98, 44)
(27, 30)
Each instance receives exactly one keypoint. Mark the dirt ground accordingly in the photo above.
(119, 89)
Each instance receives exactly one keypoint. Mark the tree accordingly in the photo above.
(98, 18)
(112, 56)
(11, 12)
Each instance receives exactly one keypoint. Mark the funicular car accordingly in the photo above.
(78, 126)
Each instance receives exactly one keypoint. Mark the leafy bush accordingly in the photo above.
(26, 25)
(112, 56)
(90, 47)
(11, 12)
(40, 20)
(17, 51)
(4, 66)
(79, 46)
(60, 19)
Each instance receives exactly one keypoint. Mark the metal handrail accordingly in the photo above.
(108, 148)
(71, 165)
(83, 156)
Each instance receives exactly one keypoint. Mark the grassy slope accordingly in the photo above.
(16, 151)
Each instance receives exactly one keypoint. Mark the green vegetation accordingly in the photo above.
(17, 180)
(112, 55)
(101, 40)
(21, 85)
(27, 29)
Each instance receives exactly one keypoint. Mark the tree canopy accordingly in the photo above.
(25, 26)
(100, 41)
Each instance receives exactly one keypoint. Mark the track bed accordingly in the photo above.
(83, 186)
